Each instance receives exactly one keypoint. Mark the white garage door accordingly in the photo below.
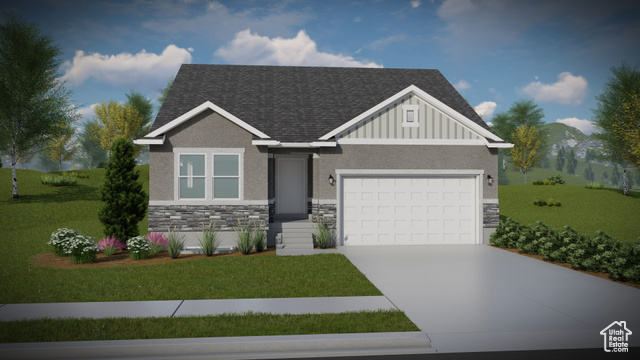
(409, 210)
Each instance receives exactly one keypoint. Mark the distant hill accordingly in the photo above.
(559, 134)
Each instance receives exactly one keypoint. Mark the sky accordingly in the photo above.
(495, 52)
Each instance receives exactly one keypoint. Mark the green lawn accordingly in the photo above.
(252, 324)
(27, 223)
(585, 210)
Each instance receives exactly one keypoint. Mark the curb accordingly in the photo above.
(264, 347)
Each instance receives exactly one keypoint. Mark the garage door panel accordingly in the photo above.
(409, 210)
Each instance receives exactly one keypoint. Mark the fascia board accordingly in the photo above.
(197, 110)
(147, 141)
(504, 145)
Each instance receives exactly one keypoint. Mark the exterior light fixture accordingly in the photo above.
(331, 180)
(489, 180)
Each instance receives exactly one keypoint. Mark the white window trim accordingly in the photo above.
(239, 176)
(208, 183)
(191, 177)
(416, 115)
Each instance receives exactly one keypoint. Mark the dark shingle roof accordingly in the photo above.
(296, 104)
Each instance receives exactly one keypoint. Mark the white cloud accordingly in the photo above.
(462, 85)
(357, 19)
(490, 124)
(415, 4)
(215, 6)
(384, 42)
(146, 70)
(587, 127)
(485, 109)
(568, 90)
(247, 48)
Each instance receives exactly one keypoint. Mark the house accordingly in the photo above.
(391, 156)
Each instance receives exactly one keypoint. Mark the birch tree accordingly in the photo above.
(527, 145)
(34, 102)
(610, 113)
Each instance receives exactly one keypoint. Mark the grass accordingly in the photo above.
(251, 324)
(27, 224)
(583, 209)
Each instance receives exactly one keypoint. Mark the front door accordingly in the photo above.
(291, 186)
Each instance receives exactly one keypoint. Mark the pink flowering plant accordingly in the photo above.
(157, 242)
(110, 245)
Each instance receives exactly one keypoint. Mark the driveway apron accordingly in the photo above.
(481, 298)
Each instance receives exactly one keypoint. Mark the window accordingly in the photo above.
(226, 176)
(410, 116)
(192, 176)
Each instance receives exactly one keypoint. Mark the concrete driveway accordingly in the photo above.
(480, 298)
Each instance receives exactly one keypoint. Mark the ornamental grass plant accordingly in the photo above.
(208, 239)
(157, 242)
(176, 243)
(259, 237)
(110, 245)
(323, 233)
(244, 235)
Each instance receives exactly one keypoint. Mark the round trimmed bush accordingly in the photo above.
(139, 247)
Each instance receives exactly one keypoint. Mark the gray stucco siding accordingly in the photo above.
(467, 157)
(207, 130)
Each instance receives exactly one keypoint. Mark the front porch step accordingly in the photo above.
(295, 246)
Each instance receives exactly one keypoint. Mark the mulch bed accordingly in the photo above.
(568, 266)
(121, 258)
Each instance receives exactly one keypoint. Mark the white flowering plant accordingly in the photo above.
(139, 247)
(83, 249)
(60, 241)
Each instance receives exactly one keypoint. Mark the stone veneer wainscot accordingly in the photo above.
(191, 217)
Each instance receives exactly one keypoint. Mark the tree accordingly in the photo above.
(62, 147)
(605, 177)
(545, 163)
(587, 156)
(526, 150)
(522, 112)
(117, 121)
(619, 89)
(572, 162)
(588, 173)
(615, 175)
(626, 126)
(91, 153)
(164, 92)
(560, 159)
(144, 107)
(124, 200)
(34, 101)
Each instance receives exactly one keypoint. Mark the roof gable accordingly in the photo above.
(299, 104)
(436, 121)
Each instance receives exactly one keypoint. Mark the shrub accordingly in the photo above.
(176, 244)
(626, 264)
(594, 254)
(323, 233)
(534, 238)
(544, 182)
(209, 240)
(58, 180)
(553, 246)
(138, 247)
(244, 238)
(157, 242)
(507, 233)
(109, 245)
(556, 179)
(595, 186)
(83, 249)
(124, 200)
(75, 174)
(60, 240)
(546, 202)
(259, 237)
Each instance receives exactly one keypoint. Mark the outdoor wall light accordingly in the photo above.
(331, 180)
(489, 180)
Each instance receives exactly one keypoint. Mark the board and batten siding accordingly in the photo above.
(387, 124)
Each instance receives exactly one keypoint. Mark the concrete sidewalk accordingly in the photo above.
(170, 308)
